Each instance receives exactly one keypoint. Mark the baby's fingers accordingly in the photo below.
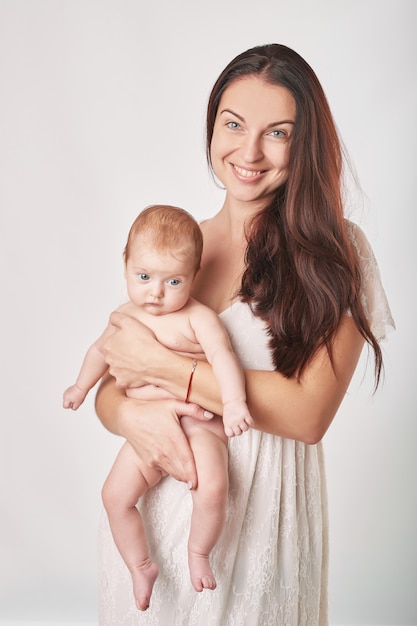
(249, 421)
(232, 431)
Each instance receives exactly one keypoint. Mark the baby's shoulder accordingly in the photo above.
(128, 308)
(195, 307)
(202, 317)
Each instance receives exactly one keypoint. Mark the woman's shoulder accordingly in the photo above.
(373, 296)
(361, 244)
(358, 238)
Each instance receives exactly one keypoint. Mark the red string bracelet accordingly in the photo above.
(193, 368)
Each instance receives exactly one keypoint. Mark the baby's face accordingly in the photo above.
(159, 282)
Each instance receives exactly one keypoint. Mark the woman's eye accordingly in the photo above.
(278, 133)
(233, 125)
(144, 276)
(174, 282)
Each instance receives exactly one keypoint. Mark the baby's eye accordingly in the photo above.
(174, 282)
(144, 276)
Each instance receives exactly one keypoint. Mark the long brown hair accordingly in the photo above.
(302, 271)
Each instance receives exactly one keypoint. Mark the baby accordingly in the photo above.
(161, 259)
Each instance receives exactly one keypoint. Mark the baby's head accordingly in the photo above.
(162, 257)
(168, 229)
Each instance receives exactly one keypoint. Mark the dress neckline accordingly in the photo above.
(227, 309)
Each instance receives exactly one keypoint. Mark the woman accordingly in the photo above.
(298, 289)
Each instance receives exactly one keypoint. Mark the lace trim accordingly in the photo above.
(374, 299)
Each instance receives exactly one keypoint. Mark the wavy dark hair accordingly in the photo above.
(302, 271)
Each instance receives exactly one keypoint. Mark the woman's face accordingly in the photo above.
(251, 139)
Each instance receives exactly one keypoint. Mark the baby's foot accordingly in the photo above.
(143, 578)
(201, 574)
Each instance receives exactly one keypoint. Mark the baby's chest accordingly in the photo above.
(176, 336)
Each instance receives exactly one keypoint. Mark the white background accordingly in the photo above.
(102, 109)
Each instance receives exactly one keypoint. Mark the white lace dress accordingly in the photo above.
(271, 561)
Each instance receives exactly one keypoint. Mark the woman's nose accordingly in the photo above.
(252, 149)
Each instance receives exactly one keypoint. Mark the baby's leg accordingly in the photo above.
(124, 485)
(209, 445)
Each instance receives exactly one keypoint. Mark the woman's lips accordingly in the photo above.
(245, 173)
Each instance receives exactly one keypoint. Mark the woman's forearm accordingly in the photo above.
(274, 401)
(173, 372)
(268, 393)
(301, 410)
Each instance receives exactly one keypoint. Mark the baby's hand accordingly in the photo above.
(74, 397)
(236, 418)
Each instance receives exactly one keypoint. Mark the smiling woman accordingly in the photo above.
(295, 284)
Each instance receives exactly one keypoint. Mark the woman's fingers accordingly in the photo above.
(154, 431)
(127, 350)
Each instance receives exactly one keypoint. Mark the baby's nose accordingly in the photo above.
(157, 290)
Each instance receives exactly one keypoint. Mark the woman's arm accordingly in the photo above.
(304, 410)
(298, 410)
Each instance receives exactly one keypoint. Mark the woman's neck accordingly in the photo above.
(218, 281)
(234, 219)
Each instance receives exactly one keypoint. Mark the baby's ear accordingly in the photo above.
(124, 256)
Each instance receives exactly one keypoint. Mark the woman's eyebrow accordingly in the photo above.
(242, 119)
(233, 113)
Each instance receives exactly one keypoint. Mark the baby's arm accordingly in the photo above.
(215, 343)
(93, 368)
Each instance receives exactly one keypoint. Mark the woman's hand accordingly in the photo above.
(128, 350)
(153, 429)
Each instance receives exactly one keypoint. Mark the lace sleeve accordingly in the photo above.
(374, 299)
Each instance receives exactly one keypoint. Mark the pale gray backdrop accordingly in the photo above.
(102, 113)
